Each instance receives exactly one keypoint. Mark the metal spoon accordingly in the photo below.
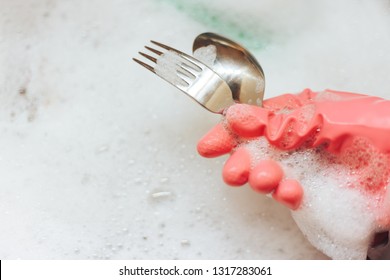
(236, 65)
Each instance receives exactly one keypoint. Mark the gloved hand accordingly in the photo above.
(347, 125)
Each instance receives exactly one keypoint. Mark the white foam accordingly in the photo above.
(335, 217)
(167, 66)
(206, 54)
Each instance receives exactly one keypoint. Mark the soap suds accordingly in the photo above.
(207, 55)
(337, 215)
(167, 67)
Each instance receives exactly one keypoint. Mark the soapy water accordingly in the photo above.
(340, 166)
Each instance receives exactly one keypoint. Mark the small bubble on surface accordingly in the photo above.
(161, 194)
(185, 242)
(164, 180)
(102, 149)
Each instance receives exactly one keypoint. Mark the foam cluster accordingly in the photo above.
(340, 212)
(206, 54)
(167, 66)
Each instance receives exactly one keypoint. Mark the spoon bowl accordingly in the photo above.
(235, 64)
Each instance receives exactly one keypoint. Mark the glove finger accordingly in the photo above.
(237, 168)
(247, 120)
(218, 141)
(290, 193)
(266, 176)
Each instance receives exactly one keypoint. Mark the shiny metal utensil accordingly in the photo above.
(237, 66)
(191, 76)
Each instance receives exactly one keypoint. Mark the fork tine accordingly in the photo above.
(165, 46)
(193, 62)
(189, 75)
(151, 58)
(188, 67)
(182, 81)
(147, 66)
(154, 50)
(183, 76)
(186, 72)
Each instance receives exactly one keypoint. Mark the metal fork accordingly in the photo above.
(191, 76)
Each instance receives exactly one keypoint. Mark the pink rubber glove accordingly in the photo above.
(353, 127)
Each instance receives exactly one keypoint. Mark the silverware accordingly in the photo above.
(236, 65)
(189, 75)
